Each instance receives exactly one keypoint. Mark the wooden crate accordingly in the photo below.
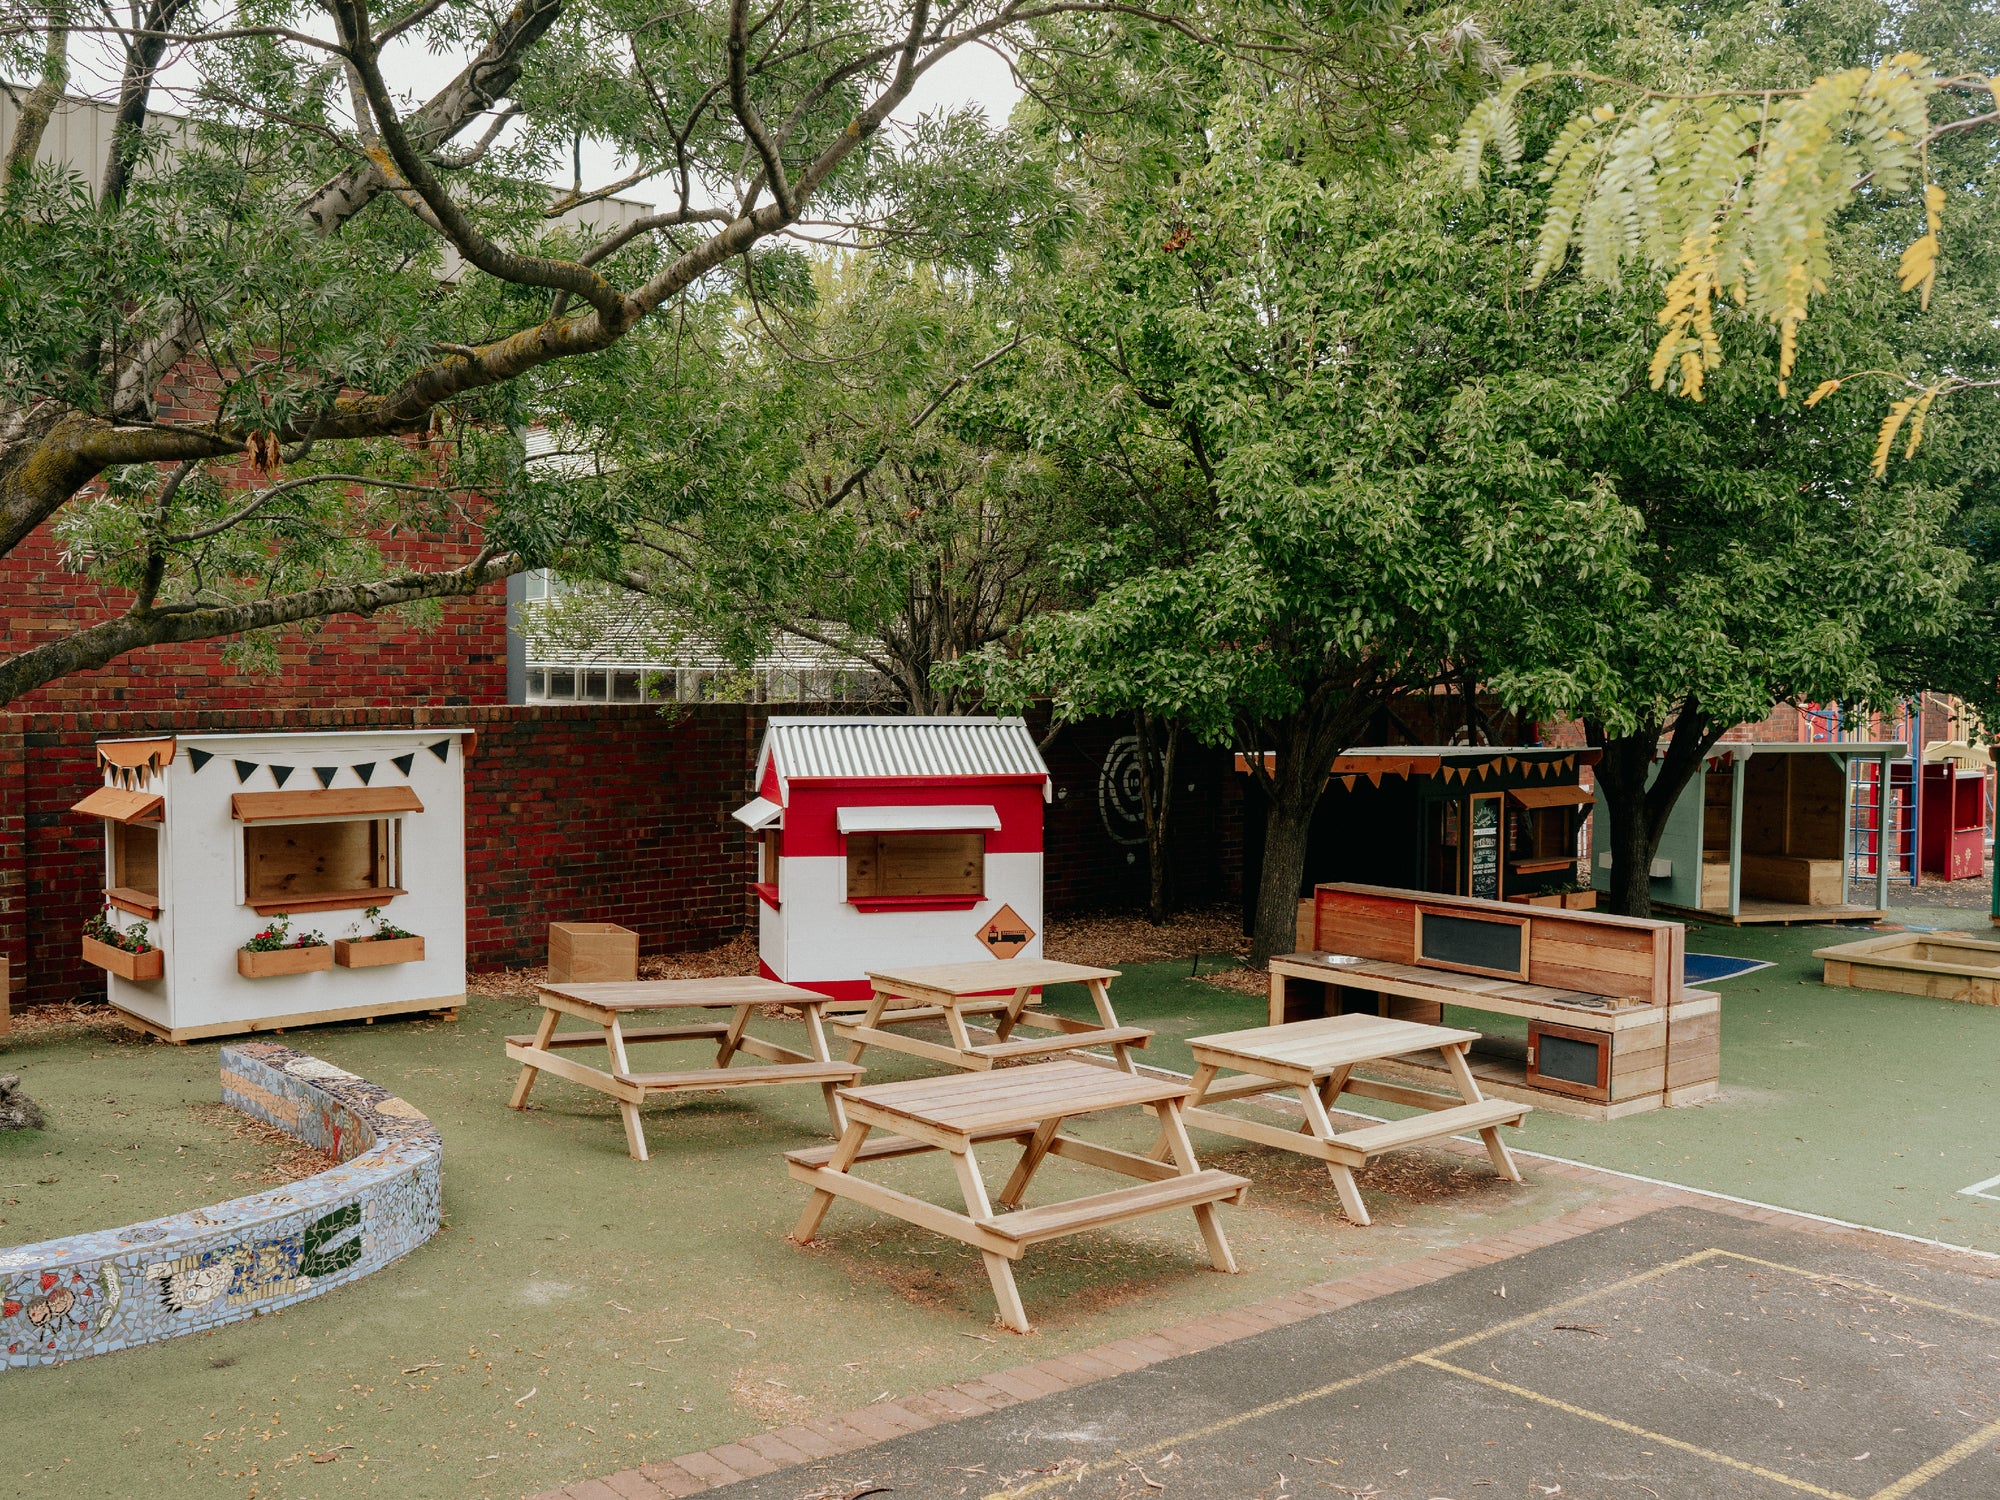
(283, 961)
(589, 952)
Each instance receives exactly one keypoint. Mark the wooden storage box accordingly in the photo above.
(590, 952)
(369, 953)
(283, 961)
(1791, 877)
(137, 967)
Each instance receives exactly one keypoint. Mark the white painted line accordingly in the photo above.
(1982, 1190)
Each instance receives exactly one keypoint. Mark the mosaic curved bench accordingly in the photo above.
(117, 1288)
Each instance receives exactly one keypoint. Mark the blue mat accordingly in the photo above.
(1706, 968)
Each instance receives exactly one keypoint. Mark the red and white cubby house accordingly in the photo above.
(892, 842)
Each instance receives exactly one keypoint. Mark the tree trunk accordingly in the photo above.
(1287, 821)
(1156, 793)
(1636, 812)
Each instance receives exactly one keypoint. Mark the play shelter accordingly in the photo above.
(1498, 822)
(1956, 816)
(210, 839)
(891, 842)
(1787, 832)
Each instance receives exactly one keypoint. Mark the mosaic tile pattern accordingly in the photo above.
(116, 1288)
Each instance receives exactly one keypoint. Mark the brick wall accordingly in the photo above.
(354, 662)
(585, 813)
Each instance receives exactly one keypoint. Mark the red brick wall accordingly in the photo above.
(349, 662)
(585, 813)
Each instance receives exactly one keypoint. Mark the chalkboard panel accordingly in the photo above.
(1475, 943)
(1568, 1059)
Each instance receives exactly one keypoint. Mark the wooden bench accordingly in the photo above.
(1612, 1030)
(1316, 1059)
(742, 1078)
(1028, 1105)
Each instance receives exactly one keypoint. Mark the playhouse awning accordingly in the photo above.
(758, 814)
(1551, 796)
(916, 819)
(121, 806)
(131, 754)
(340, 802)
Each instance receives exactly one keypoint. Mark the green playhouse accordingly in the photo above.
(1775, 833)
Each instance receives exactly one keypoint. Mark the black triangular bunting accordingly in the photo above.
(281, 774)
(198, 758)
(364, 771)
(326, 774)
(404, 762)
(442, 749)
(243, 770)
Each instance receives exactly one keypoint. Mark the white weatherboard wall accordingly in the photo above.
(830, 940)
(203, 920)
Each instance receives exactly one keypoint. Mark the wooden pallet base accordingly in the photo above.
(448, 1004)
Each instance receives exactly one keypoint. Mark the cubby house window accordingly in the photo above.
(135, 868)
(893, 869)
(290, 867)
(323, 851)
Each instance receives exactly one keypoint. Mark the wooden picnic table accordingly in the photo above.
(604, 1004)
(1027, 1106)
(1005, 991)
(1316, 1059)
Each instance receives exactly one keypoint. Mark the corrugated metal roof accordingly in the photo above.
(940, 747)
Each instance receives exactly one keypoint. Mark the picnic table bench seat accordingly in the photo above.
(739, 1078)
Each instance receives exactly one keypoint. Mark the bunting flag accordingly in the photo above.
(198, 758)
(404, 762)
(442, 749)
(326, 774)
(1375, 778)
(1509, 761)
(364, 771)
(1347, 783)
(281, 774)
(244, 769)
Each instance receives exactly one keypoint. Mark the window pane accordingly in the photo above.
(624, 687)
(562, 683)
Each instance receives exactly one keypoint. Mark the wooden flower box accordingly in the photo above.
(282, 961)
(592, 952)
(1580, 900)
(137, 967)
(369, 953)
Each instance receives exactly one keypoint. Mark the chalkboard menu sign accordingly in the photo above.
(1485, 847)
(1491, 945)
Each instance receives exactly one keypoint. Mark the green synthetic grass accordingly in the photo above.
(582, 1312)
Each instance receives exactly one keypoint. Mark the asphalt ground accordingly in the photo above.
(1686, 1355)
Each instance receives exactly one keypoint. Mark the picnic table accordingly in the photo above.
(1005, 991)
(1317, 1059)
(1026, 1106)
(604, 1005)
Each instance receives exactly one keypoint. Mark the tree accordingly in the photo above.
(1336, 363)
(848, 490)
(372, 297)
(1775, 568)
(1733, 189)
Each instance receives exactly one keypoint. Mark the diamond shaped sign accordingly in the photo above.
(1005, 934)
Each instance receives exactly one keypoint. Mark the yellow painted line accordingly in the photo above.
(1432, 1358)
(1864, 1286)
(1128, 1455)
(1639, 1432)
(1925, 1473)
